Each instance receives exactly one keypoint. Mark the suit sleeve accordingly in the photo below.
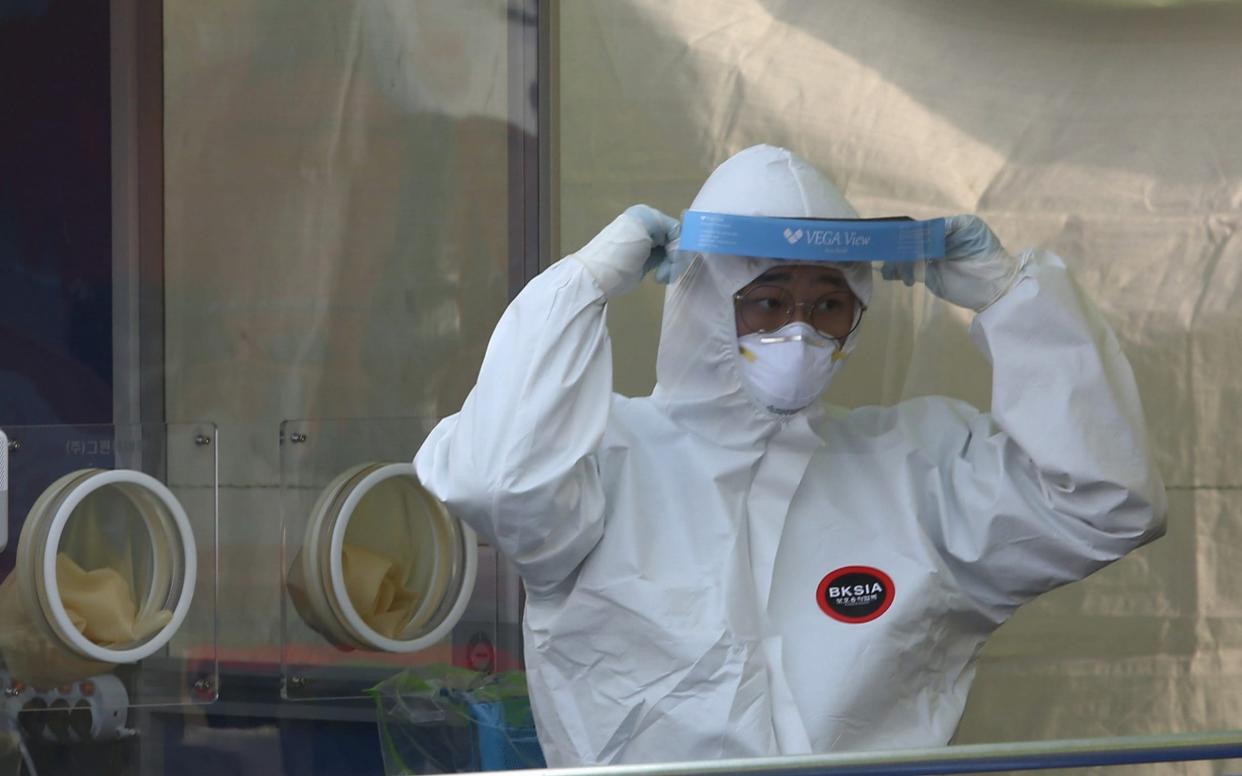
(517, 463)
(1058, 480)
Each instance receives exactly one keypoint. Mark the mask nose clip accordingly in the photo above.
(799, 331)
(814, 340)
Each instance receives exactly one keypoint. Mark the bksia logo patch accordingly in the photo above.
(855, 594)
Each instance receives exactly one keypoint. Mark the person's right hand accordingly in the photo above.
(630, 246)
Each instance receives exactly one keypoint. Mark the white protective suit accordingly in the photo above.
(677, 548)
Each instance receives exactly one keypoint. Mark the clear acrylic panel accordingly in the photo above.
(111, 555)
(321, 656)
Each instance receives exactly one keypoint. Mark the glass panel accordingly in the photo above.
(345, 217)
(337, 244)
(122, 521)
(329, 472)
(345, 214)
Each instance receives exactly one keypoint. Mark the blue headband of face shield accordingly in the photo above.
(899, 239)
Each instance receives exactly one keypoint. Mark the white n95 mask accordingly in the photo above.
(787, 369)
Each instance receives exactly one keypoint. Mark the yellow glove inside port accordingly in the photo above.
(101, 605)
(376, 587)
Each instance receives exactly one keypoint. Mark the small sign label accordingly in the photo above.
(855, 594)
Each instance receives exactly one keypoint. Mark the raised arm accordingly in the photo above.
(1057, 481)
(517, 463)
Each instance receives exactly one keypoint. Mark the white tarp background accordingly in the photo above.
(1107, 131)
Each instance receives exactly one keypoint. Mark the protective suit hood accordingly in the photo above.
(698, 381)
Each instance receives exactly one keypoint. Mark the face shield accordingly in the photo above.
(796, 320)
(761, 208)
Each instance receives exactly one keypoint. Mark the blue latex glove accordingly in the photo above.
(976, 269)
(665, 263)
(632, 245)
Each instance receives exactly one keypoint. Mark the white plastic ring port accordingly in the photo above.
(320, 572)
(174, 561)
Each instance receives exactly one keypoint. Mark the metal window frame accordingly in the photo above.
(137, 101)
(977, 758)
(530, 97)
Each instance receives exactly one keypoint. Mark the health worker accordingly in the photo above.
(728, 567)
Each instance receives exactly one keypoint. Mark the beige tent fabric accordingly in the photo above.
(1105, 131)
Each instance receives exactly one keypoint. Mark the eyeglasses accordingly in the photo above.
(768, 308)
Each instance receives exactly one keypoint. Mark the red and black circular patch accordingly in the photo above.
(855, 594)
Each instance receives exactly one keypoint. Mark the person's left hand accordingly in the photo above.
(976, 269)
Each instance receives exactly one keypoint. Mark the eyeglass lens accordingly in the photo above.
(768, 308)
